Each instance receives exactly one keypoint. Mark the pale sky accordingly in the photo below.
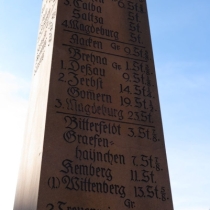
(180, 33)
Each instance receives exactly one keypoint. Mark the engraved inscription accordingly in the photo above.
(105, 103)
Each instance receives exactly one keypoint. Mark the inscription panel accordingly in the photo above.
(104, 146)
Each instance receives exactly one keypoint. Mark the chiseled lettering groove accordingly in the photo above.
(117, 41)
(92, 109)
(90, 70)
(75, 92)
(87, 16)
(45, 26)
(62, 205)
(91, 82)
(41, 48)
(91, 29)
(87, 57)
(38, 63)
(46, 12)
(95, 141)
(86, 170)
(87, 185)
(76, 54)
(89, 42)
(86, 69)
(86, 125)
(87, 6)
(97, 156)
(44, 21)
(98, 118)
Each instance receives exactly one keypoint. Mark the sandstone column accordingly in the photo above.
(94, 138)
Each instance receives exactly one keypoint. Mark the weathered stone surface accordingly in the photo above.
(94, 138)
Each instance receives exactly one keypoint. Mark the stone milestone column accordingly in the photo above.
(94, 138)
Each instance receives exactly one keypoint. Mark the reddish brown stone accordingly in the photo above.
(94, 138)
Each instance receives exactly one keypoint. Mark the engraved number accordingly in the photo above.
(61, 76)
(59, 104)
(131, 134)
(121, 4)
